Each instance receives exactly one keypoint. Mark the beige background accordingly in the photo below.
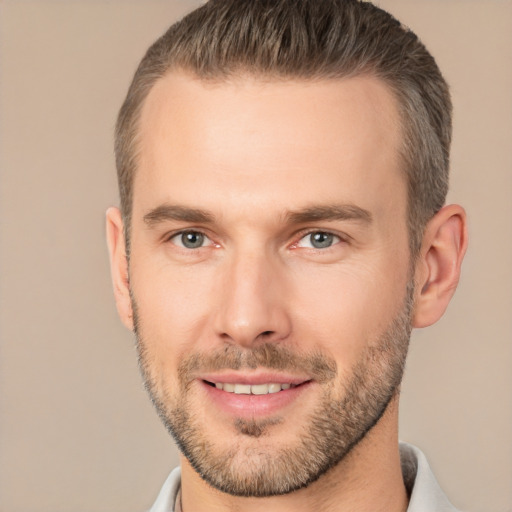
(76, 430)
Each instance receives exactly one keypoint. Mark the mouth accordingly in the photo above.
(253, 389)
(253, 395)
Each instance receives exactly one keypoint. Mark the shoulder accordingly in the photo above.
(425, 493)
(167, 496)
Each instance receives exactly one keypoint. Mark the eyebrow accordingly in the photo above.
(329, 212)
(166, 212)
(169, 212)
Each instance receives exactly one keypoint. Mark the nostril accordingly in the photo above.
(267, 333)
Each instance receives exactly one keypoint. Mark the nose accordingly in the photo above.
(251, 306)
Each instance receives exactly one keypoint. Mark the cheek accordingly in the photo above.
(345, 309)
(172, 308)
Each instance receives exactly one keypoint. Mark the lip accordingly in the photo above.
(255, 378)
(253, 406)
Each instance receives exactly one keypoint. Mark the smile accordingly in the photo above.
(251, 389)
(253, 396)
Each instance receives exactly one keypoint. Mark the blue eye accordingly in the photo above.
(318, 240)
(190, 239)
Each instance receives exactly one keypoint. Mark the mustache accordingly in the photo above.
(268, 355)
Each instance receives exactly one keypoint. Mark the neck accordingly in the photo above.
(368, 479)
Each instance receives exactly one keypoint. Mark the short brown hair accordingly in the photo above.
(309, 40)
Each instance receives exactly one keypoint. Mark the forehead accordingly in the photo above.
(273, 137)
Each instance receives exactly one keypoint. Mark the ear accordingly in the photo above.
(438, 267)
(119, 265)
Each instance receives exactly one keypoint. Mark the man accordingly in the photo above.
(283, 167)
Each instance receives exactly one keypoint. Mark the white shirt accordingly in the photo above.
(425, 493)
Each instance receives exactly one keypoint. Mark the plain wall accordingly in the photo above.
(77, 432)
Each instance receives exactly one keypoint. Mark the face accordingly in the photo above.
(269, 272)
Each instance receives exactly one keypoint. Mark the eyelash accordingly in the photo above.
(170, 236)
(301, 235)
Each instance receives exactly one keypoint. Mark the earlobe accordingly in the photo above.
(119, 265)
(439, 264)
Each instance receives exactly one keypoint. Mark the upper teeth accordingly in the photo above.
(254, 389)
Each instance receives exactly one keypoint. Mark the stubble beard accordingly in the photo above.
(345, 413)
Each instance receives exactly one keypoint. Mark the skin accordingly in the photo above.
(249, 153)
